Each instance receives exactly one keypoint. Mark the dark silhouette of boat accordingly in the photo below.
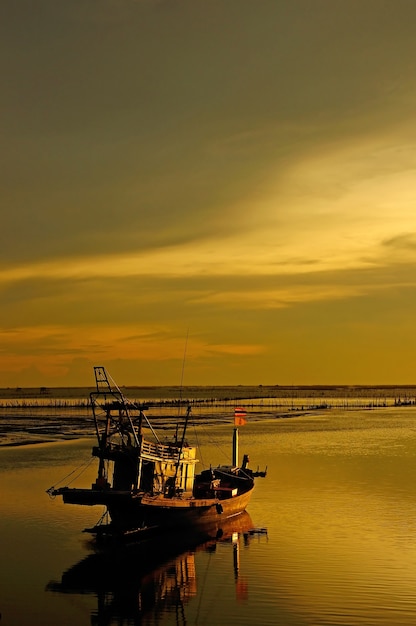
(148, 486)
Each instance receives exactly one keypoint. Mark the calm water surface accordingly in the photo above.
(338, 504)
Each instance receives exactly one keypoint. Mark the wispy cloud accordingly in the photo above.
(245, 169)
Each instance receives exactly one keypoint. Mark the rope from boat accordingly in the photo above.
(80, 468)
(102, 518)
(211, 440)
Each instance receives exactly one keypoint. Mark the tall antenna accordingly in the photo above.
(183, 365)
(181, 385)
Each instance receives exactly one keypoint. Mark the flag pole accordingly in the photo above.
(239, 420)
(235, 446)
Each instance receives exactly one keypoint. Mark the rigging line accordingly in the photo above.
(129, 403)
(197, 444)
(137, 405)
(215, 443)
(80, 468)
(126, 403)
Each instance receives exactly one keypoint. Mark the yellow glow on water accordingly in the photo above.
(337, 503)
(341, 522)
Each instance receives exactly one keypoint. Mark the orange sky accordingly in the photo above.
(239, 173)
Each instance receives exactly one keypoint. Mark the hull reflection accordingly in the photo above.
(136, 581)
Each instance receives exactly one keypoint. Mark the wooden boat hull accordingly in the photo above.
(131, 511)
(147, 484)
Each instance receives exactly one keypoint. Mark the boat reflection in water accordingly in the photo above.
(149, 578)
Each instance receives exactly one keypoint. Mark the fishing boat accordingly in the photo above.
(147, 485)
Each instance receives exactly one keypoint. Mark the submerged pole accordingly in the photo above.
(235, 447)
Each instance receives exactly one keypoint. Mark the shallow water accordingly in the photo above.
(338, 504)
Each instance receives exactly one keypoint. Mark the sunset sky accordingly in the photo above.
(208, 191)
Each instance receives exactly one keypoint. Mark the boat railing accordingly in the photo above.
(160, 451)
(152, 451)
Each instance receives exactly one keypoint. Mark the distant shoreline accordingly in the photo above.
(33, 416)
(26, 429)
(207, 393)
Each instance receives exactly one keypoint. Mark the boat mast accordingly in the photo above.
(188, 412)
(103, 388)
(114, 400)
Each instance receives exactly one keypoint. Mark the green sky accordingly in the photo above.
(233, 182)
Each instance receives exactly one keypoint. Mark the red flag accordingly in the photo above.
(239, 415)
